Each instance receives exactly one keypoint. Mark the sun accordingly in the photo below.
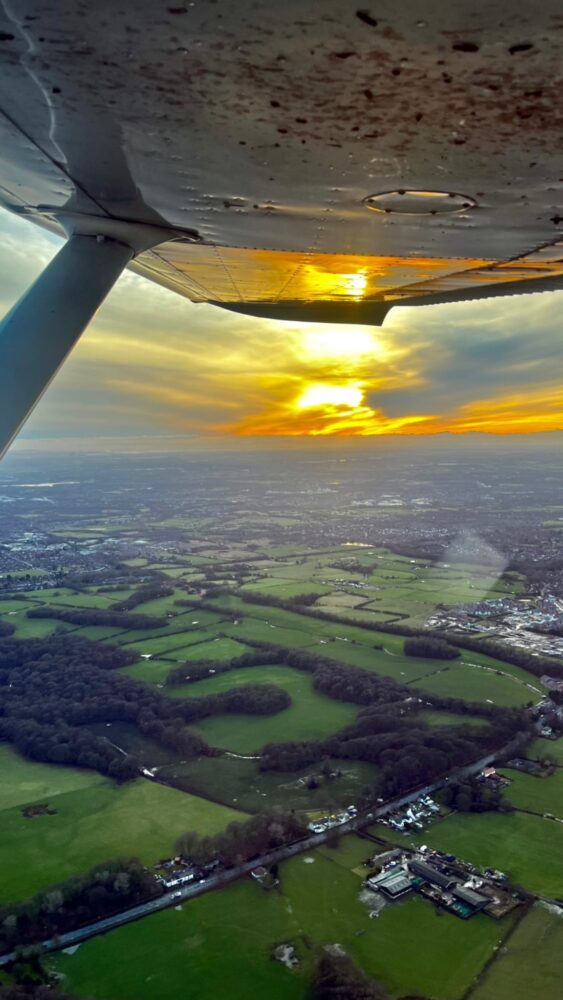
(345, 342)
(320, 394)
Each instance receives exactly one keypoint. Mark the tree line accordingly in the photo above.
(536, 665)
(301, 605)
(388, 732)
(98, 616)
(151, 591)
(336, 977)
(406, 750)
(51, 689)
(431, 647)
(107, 888)
(242, 841)
(472, 795)
(31, 991)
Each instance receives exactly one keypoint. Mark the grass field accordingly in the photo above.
(235, 931)
(310, 716)
(23, 781)
(405, 669)
(150, 671)
(285, 588)
(238, 782)
(269, 631)
(542, 795)
(98, 632)
(355, 645)
(527, 848)
(94, 823)
(9, 607)
(220, 648)
(37, 628)
(476, 684)
(540, 749)
(165, 644)
(87, 599)
(532, 964)
(451, 719)
(338, 599)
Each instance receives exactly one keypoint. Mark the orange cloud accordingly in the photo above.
(516, 413)
(528, 412)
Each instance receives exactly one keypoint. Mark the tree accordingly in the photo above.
(53, 901)
(333, 837)
(429, 646)
(122, 882)
(337, 978)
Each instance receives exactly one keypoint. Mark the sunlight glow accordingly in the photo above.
(318, 395)
(352, 342)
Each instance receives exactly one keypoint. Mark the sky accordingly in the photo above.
(153, 366)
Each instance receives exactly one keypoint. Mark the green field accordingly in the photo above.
(410, 588)
(541, 795)
(476, 677)
(238, 782)
(338, 599)
(150, 671)
(23, 781)
(310, 716)
(9, 607)
(74, 599)
(405, 669)
(268, 631)
(91, 824)
(284, 588)
(532, 963)
(476, 684)
(528, 849)
(542, 749)
(166, 644)
(220, 648)
(451, 719)
(235, 930)
(37, 628)
(98, 632)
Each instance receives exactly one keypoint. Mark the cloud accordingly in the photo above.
(153, 363)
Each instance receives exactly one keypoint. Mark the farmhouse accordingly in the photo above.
(264, 877)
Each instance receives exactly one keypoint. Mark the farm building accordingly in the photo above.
(431, 874)
(473, 899)
(393, 882)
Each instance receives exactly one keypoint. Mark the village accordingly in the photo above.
(529, 623)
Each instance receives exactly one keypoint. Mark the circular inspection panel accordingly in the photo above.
(412, 202)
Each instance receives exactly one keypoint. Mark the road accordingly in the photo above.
(231, 874)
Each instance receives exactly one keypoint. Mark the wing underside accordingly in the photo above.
(290, 284)
(261, 136)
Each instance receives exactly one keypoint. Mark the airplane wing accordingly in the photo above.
(317, 161)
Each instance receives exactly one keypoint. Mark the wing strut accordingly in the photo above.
(43, 327)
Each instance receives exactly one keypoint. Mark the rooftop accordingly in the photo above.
(431, 874)
(475, 899)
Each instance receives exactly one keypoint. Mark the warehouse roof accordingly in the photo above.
(470, 896)
(431, 874)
